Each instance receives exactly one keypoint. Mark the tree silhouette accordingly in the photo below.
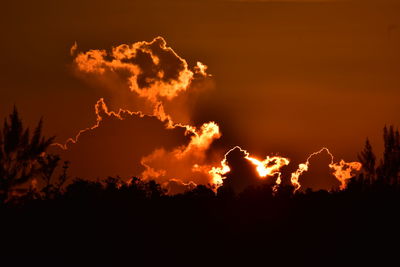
(20, 153)
(368, 161)
(389, 167)
(48, 164)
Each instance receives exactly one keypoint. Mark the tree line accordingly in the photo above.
(23, 158)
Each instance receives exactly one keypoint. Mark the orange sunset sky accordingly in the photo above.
(284, 77)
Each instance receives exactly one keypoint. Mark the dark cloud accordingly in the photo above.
(319, 176)
(242, 172)
(175, 186)
(117, 145)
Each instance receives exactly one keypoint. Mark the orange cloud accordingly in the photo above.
(269, 167)
(73, 49)
(342, 170)
(188, 163)
(151, 70)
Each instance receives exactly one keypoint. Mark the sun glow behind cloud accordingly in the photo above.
(155, 73)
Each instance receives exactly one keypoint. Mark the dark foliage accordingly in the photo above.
(110, 223)
(20, 153)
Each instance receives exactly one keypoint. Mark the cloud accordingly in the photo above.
(151, 71)
(73, 49)
(239, 170)
(129, 143)
(176, 186)
(115, 144)
(155, 139)
(187, 163)
(152, 139)
(342, 171)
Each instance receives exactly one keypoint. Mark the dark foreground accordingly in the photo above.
(94, 225)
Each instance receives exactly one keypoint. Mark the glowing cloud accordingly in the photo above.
(342, 171)
(269, 167)
(154, 72)
(151, 70)
(101, 111)
(187, 163)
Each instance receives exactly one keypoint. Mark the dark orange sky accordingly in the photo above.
(290, 76)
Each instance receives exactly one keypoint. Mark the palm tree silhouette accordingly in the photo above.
(20, 153)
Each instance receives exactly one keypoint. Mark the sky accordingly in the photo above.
(287, 77)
